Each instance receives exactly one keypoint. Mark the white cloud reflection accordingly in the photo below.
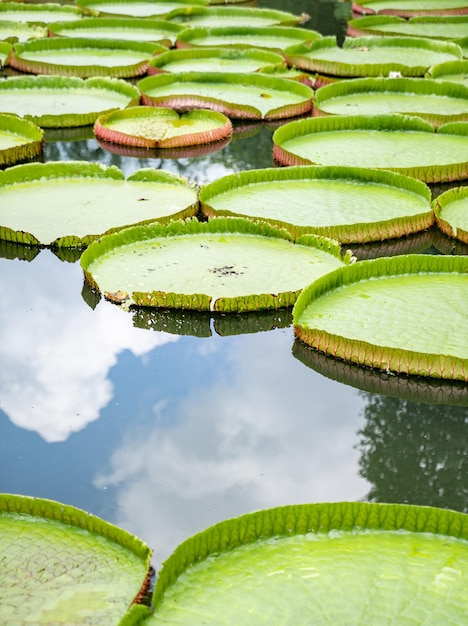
(56, 352)
(272, 433)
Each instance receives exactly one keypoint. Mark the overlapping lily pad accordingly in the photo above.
(70, 204)
(215, 16)
(344, 203)
(59, 101)
(247, 96)
(137, 8)
(126, 28)
(46, 13)
(435, 101)
(275, 38)
(453, 71)
(5, 49)
(20, 140)
(154, 127)
(451, 210)
(371, 56)
(281, 566)
(78, 56)
(401, 314)
(21, 31)
(226, 265)
(401, 143)
(62, 565)
(411, 8)
(440, 27)
(213, 60)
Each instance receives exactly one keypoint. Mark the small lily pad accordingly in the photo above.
(226, 264)
(411, 8)
(77, 56)
(63, 565)
(435, 101)
(21, 31)
(451, 210)
(233, 16)
(441, 27)
(70, 204)
(151, 127)
(20, 140)
(404, 144)
(247, 96)
(347, 204)
(63, 101)
(400, 314)
(137, 8)
(371, 56)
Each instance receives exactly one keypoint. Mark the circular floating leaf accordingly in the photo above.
(126, 28)
(233, 16)
(20, 140)
(372, 56)
(275, 38)
(400, 314)
(440, 27)
(396, 142)
(437, 102)
(451, 210)
(226, 264)
(150, 127)
(411, 8)
(19, 31)
(248, 96)
(70, 204)
(58, 101)
(137, 8)
(213, 60)
(347, 204)
(318, 564)
(453, 71)
(84, 57)
(46, 13)
(62, 565)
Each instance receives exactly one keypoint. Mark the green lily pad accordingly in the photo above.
(46, 13)
(372, 56)
(440, 27)
(411, 8)
(5, 50)
(213, 60)
(61, 565)
(453, 71)
(276, 38)
(70, 204)
(151, 127)
(451, 211)
(404, 144)
(21, 31)
(233, 16)
(463, 43)
(226, 264)
(347, 204)
(391, 563)
(137, 8)
(398, 314)
(20, 140)
(77, 56)
(125, 28)
(237, 95)
(435, 101)
(59, 101)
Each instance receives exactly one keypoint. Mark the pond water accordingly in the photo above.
(166, 424)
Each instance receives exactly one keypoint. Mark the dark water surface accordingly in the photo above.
(165, 424)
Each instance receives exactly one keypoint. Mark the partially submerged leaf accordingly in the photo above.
(451, 210)
(453, 71)
(20, 140)
(233, 16)
(401, 314)
(21, 31)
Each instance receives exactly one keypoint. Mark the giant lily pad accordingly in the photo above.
(20, 140)
(46, 13)
(350, 563)
(137, 8)
(5, 50)
(453, 71)
(411, 8)
(248, 96)
(59, 101)
(126, 28)
(275, 38)
(213, 60)
(348, 204)
(21, 31)
(226, 264)
(398, 314)
(435, 101)
(62, 565)
(77, 56)
(451, 210)
(405, 144)
(440, 27)
(372, 56)
(233, 16)
(151, 127)
(72, 203)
